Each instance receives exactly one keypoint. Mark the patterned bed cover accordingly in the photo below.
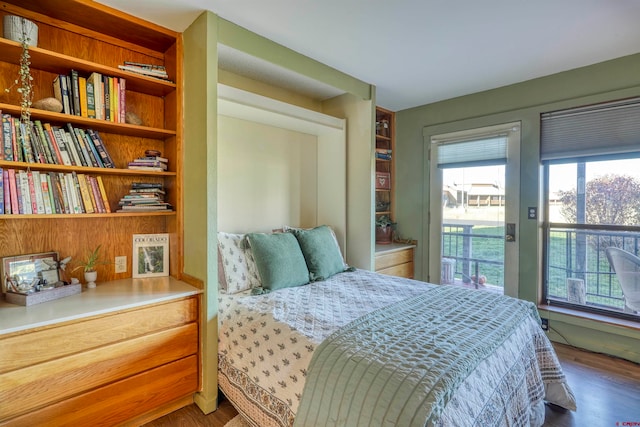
(266, 344)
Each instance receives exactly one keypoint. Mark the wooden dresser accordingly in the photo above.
(395, 259)
(122, 353)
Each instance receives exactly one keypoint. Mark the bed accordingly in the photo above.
(352, 347)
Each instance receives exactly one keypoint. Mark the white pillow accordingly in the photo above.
(236, 259)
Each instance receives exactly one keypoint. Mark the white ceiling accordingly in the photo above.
(421, 51)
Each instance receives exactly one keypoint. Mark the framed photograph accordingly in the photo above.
(150, 255)
(21, 272)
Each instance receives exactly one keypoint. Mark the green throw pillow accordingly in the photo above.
(321, 252)
(279, 259)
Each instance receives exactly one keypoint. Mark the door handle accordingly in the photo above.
(510, 233)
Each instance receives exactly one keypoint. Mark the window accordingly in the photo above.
(591, 159)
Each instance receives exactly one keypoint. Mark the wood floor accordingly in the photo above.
(607, 391)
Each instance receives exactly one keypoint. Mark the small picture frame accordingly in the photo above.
(19, 271)
(150, 255)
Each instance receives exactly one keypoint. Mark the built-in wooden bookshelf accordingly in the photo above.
(89, 37)
(385, 145)
(109, 355)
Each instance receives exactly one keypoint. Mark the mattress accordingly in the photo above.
(267, 342)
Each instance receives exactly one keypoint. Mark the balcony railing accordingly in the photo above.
(470, 251)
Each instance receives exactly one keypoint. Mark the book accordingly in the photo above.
(102, 149)
(96, 160)
(34, 178)
(150, 255)
(82, 86)
(61, 93)
(94, 191)
(91, 101)
(13, 191)
(146, 71)
(107, 98)
(71, 147)
(24, 142)
(95, 79)
(83, 156)
(1, 191)
(89, 206)
(58, 150)
(25, 193)
(61, 143)
(112, 99)
(14, 142)
(122, 100)
(18, 145)
(6, 136)
(61, 187)
(46, 194)
(75, 92)
(56, 197)
(145, 65)
(147, 168)
(7, 192)
(46, 144)
(73, 192)
(36, 144)
(103, 193)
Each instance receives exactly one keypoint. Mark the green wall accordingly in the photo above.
(615, 79)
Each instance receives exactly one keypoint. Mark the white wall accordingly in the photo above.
(267, 177)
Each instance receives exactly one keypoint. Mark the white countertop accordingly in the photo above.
(393, 247)
(104, 298)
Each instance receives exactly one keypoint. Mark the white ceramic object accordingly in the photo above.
(17, 27)
(90, 277)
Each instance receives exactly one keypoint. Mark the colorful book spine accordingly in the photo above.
(46, 194)
(75, 92)
(2, 191)
(91, 100)
(13, 189)
(25, 194)
(6, 135)
(84, 105)
(34, 179)
(52, 180)
(103, 193)
(84, 193)
(82, 155)
(96, 159)
(46, 144)
(122, 99)
(7, 192)
(95, 194)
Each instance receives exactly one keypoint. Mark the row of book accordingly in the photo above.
(145, 197)
(149, 70)
(95, 97)
(34, 192)
(37, 142)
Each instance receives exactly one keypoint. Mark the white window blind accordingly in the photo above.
(611, 128)
(475, 152)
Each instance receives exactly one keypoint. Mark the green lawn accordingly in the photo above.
(487, 243)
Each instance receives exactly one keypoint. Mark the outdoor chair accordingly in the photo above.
(627, 269)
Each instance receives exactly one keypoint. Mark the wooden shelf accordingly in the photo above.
(58, 63)
(81, 169)
(84, 216)
(99, 125)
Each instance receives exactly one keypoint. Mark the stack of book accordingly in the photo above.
(144, 196)
(149, 163)
(37, 142)
(149, 70)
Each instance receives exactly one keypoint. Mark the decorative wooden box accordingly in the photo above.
(383, 181)
(43, 296)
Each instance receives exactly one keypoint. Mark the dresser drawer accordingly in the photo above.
(26, 348)
(117, 402)
(401, 270)
(386, 260)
